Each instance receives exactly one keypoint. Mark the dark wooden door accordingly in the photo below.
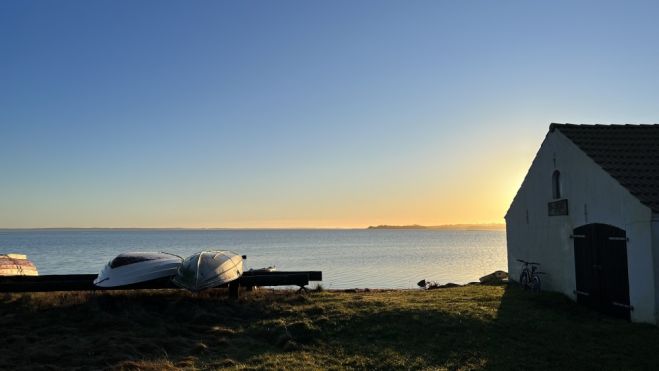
(586, 274)
(600, 262)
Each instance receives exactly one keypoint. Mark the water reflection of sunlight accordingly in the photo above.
(348, 258)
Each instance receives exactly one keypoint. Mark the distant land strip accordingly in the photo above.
(454, 227)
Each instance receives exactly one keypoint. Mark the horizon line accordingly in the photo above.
(446, 226)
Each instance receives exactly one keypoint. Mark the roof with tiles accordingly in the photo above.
(629, 153)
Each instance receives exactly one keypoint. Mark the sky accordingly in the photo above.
(279, 114)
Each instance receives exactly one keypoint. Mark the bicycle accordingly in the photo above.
(530, 276)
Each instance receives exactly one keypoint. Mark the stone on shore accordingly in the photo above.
(494, 278)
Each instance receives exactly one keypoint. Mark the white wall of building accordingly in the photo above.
(593, 197)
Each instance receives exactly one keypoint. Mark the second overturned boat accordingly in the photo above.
(16, 265)
(208, 269)
(136, 267)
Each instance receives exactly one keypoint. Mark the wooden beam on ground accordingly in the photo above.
(313, 275)
(85, 282)
(293, 279)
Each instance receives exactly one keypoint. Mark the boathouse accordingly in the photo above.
(588, 212)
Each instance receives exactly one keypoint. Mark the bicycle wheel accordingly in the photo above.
(536, 284)
(524, 279)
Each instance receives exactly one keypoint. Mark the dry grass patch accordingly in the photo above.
(472, 327)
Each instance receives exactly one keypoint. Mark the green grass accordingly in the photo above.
(471, 327)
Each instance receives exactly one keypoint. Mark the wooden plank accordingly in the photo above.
(313, 275)
(73, 282)
(293, 279)
(84, 282)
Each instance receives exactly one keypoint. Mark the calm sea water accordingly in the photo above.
(348, 258)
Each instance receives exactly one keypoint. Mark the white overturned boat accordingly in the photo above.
(208, 269)
(16, 265)
(136, 267)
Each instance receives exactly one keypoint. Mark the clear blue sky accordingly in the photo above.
(301, 113)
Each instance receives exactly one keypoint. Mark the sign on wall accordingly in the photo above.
(558, 207)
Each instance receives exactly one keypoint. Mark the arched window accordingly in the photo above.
(556, 184)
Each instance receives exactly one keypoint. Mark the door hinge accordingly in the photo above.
(577, 292)
(577, 236)
(618, 239)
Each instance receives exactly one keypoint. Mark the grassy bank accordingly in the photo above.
(472, 327)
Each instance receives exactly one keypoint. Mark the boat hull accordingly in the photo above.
(131, 268)
(208, 269)
(17, 265)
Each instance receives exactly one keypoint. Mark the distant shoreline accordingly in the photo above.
(453, 227)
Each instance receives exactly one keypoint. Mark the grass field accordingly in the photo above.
(470, 327)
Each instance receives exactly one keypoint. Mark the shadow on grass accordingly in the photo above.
(82, 330)
(549, 331)
(458, 328)
(546, 331)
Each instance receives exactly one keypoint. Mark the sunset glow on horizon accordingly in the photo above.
(301, 115)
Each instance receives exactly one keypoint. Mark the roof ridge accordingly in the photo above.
(567, 124)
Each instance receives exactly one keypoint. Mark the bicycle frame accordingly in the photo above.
(530, 270)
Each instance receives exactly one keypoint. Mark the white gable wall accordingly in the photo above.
(593, 197)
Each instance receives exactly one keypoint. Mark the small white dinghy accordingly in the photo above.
(208, 269)
(16, 265)
(135, 267)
